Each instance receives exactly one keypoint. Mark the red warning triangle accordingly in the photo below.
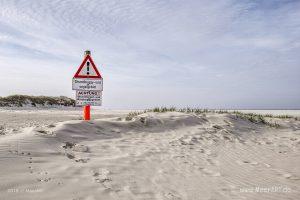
(87, 69)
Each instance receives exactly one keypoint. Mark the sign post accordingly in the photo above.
(87, 112)
(88, 84)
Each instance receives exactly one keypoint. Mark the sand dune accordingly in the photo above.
(153, 156)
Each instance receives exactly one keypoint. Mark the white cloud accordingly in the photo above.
(152, 48)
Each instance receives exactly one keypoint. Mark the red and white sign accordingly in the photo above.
(88, 83)
(88, 69)
(92, 98)
(87, 76)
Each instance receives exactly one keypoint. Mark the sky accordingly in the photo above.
(222, 54)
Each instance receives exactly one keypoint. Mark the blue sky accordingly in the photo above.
(199, 53)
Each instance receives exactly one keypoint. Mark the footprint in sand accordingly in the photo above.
(286, 175)
(290, 176)
(71, 147)
(81, 148)
(267, 165)
(170, 195)
(42, 131)
(79, 160)
(68, 145)
(82, 160)
(201, 150)
(243, 162)
(102, 176)
(70, 156)
(44, 179)
(41, 173)
(75, 147)
(51, 126)
(30, 162)
(212, 162)
(253, 163)
(210, 172)
(30, 169)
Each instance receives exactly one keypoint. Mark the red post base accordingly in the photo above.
(87, 112)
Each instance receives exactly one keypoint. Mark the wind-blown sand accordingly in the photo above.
(154, 156)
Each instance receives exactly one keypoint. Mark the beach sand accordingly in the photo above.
(51, 154)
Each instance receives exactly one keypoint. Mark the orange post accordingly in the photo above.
(87, 112)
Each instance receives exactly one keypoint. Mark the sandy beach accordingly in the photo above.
(149, 100)
(51, 154)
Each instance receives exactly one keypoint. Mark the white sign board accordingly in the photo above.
(93, 98)
(87, 84)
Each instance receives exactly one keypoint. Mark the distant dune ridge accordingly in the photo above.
(35, 101)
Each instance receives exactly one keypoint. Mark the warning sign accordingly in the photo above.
(93, 98)
(88, 69)
(87, 84)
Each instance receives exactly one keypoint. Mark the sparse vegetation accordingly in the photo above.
(255, 118)
(185, 110)
(131, 115)
(268, 115)
(284, 116)
(279, 116)
(162, 109)
(252, 117)
(35, 101)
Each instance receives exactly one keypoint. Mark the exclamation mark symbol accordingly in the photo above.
(88, 68)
